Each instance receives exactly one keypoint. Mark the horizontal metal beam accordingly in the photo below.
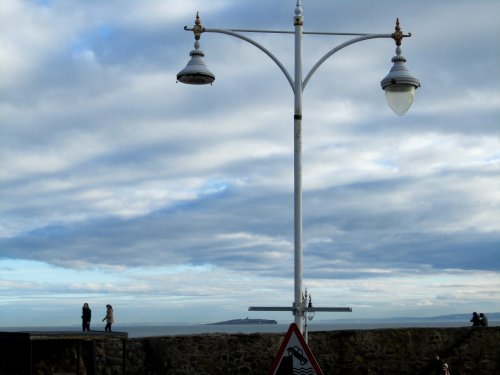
(306, 309)
(328, 309)
(254, 308)
(293, 32)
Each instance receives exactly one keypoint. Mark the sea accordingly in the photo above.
(174, 329)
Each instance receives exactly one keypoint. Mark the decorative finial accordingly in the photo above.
(298, 8)
(398, 34)
(298, 19)
(197, 28)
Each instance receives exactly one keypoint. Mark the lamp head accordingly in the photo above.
(196, 72)
(399, 85)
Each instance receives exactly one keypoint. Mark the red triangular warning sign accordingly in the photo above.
(294, 356)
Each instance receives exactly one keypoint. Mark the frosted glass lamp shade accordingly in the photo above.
(400, 98)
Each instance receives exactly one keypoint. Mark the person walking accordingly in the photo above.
(109, 318)
(86, 317)
(475, 319)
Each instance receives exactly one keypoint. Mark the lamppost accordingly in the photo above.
(399, 86)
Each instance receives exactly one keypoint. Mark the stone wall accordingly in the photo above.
(348, 352)
(407, 351)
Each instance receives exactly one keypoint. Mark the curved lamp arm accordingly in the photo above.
(341, 46)
(259, 46)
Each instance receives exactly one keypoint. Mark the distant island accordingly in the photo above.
(245, 321)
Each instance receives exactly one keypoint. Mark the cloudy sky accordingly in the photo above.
(174, 203)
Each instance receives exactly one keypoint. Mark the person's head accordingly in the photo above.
(481, 315)
(108, 307)
(474, 313)
(86, 305)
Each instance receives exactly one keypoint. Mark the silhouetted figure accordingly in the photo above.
(108, 318)
(483, 320)
(475, 319)
(437, 365)
(86, 317)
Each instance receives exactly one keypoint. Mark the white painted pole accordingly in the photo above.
(298, 304)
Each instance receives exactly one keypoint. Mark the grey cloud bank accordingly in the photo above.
(174, 202)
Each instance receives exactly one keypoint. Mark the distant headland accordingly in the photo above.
(245, 321)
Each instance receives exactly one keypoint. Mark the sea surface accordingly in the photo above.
(172, 329)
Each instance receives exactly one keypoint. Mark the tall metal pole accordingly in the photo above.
(297, 120)
(197, 73)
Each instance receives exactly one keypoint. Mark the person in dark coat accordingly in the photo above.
(86, 317)
(475, 319)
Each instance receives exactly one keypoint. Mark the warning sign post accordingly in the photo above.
(294, 356)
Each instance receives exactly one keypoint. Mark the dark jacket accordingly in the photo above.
(475, 320)
(86, 314)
